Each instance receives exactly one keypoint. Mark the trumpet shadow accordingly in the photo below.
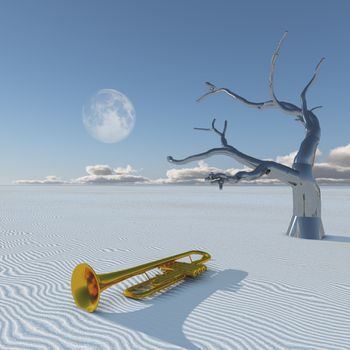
(165, 317)
(336, 238)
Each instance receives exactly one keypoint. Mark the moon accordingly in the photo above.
(109, 116)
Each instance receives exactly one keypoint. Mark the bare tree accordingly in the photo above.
(306, 220)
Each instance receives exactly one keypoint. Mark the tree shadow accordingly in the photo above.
(165, 317)
(337, 238)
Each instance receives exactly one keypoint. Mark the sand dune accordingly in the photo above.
(262, 291)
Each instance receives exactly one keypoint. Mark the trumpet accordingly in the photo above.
(87, 286)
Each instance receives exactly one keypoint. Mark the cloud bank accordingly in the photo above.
(48, 180)
(104, 174)
(334, 170)
(340, 156)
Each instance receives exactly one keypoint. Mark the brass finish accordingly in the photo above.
(87, 286)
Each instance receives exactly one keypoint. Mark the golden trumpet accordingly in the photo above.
(87, 286)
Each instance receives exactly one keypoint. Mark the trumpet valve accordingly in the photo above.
(189, 270)
(198, 270)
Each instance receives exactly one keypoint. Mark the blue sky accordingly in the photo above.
(56, 54)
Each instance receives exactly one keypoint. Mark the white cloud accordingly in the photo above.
(97, 174)
(48, 180)
(110, 179)
(124, 171)
(340, 156)
(331, 171)
(289, 158)
(104, 174)
(99, 170)
(188, 175)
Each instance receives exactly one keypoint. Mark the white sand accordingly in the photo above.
(263, 290)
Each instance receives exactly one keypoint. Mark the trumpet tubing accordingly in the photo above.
(87, 286)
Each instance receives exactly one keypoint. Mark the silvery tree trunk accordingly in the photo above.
(306, 221)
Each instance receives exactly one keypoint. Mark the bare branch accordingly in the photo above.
(303, 94)
(282, 172)
(222, 134)
(308, 148)
(213, 128)
(203, 129)
(259, 105)
(225, 127)
(221, 178)
(227, 151)
(254, 174)
(312, 109)
(276, 170)
(214, 90)
(300, 118)
(285, 106)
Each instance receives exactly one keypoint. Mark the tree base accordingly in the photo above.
(306, 227)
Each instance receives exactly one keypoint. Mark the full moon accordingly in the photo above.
(109, 116)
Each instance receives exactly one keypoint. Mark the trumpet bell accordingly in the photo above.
(85, 287)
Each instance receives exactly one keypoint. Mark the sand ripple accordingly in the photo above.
(41, 241)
